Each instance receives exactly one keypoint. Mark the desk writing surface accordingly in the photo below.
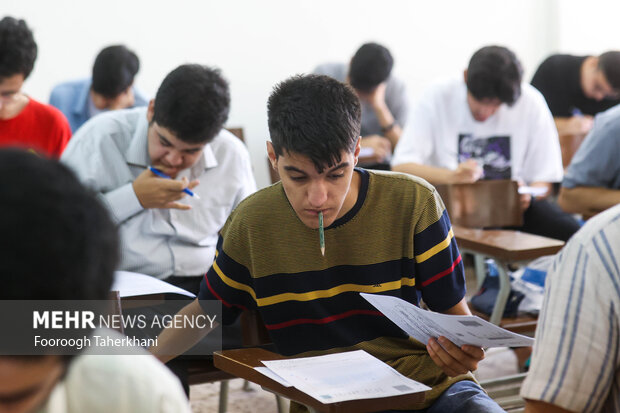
(506, 245)
(241, 363)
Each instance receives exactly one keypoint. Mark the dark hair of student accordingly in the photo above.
(314, 116)
(18, 50)
(193, 103)
(114, 70)
(609, 63)
(494, 72)
(58, 242)
(371, 65)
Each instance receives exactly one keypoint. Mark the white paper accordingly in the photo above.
(460, 329)
(131, 284)
(344, 376)
(533, 190)
(273, 376)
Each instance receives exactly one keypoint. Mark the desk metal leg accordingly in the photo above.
(223, 405)
(280, 404)
(480, 269)
(504, 292)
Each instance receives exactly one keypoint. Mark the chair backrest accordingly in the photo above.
(483, 204)
(115, 308)
(253, 330)
(238, 132)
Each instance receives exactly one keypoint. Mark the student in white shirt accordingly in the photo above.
(488, 125)
(165, 232)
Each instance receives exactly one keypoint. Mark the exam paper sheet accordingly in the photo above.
(273, 376)
(460, 329)
(351, 375)
(533, 190)
(130, 284)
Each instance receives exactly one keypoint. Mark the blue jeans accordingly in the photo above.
(464, 396)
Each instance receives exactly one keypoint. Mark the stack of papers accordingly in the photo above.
(340, 377)
(460, 329)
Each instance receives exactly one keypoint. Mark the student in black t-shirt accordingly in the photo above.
(578, 87)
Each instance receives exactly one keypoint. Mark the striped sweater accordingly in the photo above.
(396, 240)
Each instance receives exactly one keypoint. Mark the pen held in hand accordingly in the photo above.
(163, 175)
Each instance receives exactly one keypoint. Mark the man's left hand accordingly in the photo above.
(452, 359)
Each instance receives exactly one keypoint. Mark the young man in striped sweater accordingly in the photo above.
(385, 233)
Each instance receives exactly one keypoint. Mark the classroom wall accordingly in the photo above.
(258, 43)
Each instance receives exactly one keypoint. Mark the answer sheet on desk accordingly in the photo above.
(460, 329)
(351, 375)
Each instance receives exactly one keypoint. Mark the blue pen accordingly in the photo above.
(576, 112)
(163, 175)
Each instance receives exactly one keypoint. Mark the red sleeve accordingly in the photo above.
(63, 133)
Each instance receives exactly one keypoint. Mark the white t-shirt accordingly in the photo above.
(518, 142)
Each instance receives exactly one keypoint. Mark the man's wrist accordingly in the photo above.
(386, 129)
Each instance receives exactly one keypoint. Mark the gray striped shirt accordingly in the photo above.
(576, 357)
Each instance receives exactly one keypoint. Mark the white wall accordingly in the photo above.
(588, 27)
(258, 43)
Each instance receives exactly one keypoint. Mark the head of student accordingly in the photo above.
(600, 78)
(59, 243)
(113, 75)
(18, 51)
(189, 110)
(314, 123)
(370, 66)
(493, 77)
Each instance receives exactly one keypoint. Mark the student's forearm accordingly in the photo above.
(122, 203)
(175, 341)
(460, 309)
(386, 120)
(576, 125)
(563, 126)
(588, 200)
(432, 174)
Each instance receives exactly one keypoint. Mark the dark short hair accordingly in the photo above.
(609, 63)
(193, 103)
(314, 116)
(494, 72)
(371, 65)
(114, 70)
(58, 242)
(18, 50)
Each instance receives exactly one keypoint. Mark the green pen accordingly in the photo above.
(321, 234)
